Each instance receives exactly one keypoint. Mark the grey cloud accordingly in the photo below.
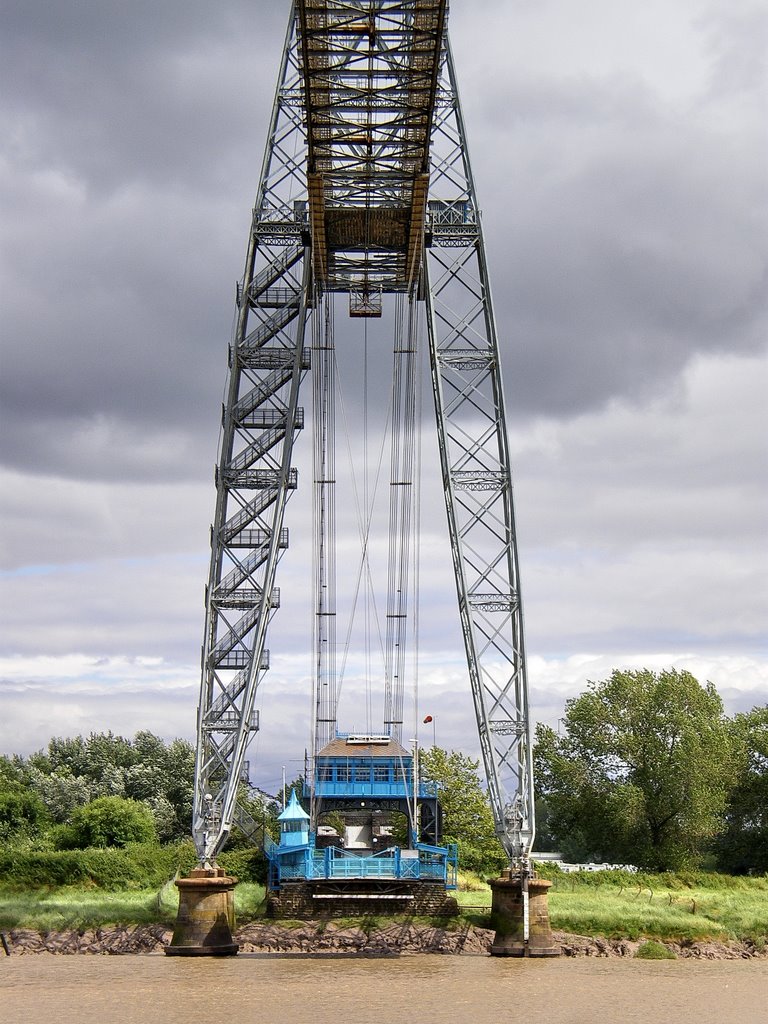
(625, 222)
(623, 240)
(134, 141)
(140, 607)
(55, 521)
(118, 312)
(737, 35)
(625, 193)
(118, 92)
(617, 271)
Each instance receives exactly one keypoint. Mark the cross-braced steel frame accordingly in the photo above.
(366, 188)
(477, 478)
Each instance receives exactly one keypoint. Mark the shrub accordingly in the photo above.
(482, 860)
(140, 866)
(652, 950)
(109, 821)
(247, 865)
(19, 807)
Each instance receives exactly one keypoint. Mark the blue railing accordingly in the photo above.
(367, 788)
(440, 862)
(380, 789)
(341, 864)
(432, 862)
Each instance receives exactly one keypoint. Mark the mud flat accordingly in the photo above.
(323, 938)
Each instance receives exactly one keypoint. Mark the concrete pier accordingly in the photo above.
(206, 917)
(507, 917)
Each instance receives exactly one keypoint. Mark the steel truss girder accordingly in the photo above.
(254, 475)
(476, 475)
(370, 73)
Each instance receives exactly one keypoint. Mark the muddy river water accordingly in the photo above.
(269, 989)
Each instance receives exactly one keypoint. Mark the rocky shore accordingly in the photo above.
(328, 938)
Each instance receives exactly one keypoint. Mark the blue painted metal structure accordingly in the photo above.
(360, 771)
(362, 775)
(433, 863)
(294, 824)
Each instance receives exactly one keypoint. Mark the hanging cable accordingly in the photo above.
(324, 527)
(367, 507)
(364, 524)
(400, 513)
(418, 437)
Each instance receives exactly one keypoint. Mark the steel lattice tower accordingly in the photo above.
(366, 189)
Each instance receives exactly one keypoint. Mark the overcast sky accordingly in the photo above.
(620, 156)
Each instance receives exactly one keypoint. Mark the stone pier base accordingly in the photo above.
(508, 919)
(206, 916)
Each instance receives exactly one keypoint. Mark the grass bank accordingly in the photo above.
(696, 907)
(46, 910)
(55, 890)
(675, 908)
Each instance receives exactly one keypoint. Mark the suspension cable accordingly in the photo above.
(324, 527)
(399, 577)
(364, 578)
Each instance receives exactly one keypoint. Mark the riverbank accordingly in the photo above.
(702, 911)
(309, 937)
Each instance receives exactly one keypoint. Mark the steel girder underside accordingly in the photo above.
(366, 188)
(370, 73)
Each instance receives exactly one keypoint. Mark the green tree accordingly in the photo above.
(72, 772)
(467, 817)
(60, 791)
(545, 841)
(642, 772)
(22, 813)
(743, 846)
(109, 821)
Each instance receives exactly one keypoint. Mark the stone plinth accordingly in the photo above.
(206, 917)
(507, 917)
